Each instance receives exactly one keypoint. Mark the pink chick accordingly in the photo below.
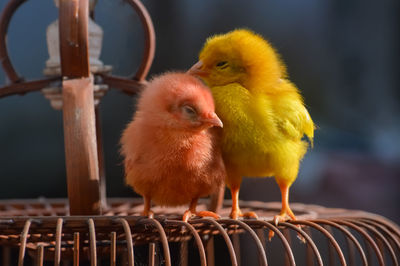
(171, 150)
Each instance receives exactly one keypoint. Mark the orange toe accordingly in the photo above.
(250, 215)
(187, 215)
(279, 219)
(271, 234)
(148, 214)
(283, 218)
(208, 214)
(235, 214)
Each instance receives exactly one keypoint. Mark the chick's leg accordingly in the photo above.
(147, 206)
(236, 212)
(192, 211)
(286, 213)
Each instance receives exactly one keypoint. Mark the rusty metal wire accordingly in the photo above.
(353, 237)
(130, 85)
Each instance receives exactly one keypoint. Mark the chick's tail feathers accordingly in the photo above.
(292, 117)
(309, 127)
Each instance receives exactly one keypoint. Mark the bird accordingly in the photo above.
(171, 151)
(266, 124)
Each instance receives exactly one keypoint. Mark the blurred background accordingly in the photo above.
(343, 55)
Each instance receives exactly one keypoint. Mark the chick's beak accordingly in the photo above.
(197, 70)
(213, 120)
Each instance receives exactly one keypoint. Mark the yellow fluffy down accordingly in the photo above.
(263, 113)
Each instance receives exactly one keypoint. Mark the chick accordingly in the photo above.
(170, 149)
(263, 113)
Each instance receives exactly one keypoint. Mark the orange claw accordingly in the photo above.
(271, 234)
(286, 213)
(236, 212)
(148, 213)
(279, 219)
(283, 218)
(208, 214)
(188, 214)
(192, 212)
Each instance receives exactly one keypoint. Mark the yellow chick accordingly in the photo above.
(263, 113)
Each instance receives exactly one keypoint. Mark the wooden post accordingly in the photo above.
(73, 29)
(80, 147)
(100, 155)
(78, 110)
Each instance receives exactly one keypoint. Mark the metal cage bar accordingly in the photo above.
(95, 237)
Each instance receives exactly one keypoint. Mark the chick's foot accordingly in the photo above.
(236, 213)
(284, 217)
(147, 213)
(189, 214)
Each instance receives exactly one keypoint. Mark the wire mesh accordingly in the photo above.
(36, 231)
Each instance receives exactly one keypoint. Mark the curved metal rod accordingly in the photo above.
(75, 258)
(25, 87)
(12, 6)
(330, 247)
(5, 18)
(150, 40)
(57, 252)
(113, 248)
(163, 238)
(128, 237)
(285, 242)
(39, 255)
(380, 237)
(366, 236)
(286, 234)
(308, 240)
(309, 250)
(23, 238)
(348, 234)
(224, 235)
(17, 85)
(328, 235)
(128, 86)
(152, 254)
(92, 236)
(202, 253)
(390, 225)
(386, 231)
(260, 248)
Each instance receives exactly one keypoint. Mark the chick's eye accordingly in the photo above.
(189, 111)
(222, 64)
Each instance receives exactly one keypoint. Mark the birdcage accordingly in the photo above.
(88, 228)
